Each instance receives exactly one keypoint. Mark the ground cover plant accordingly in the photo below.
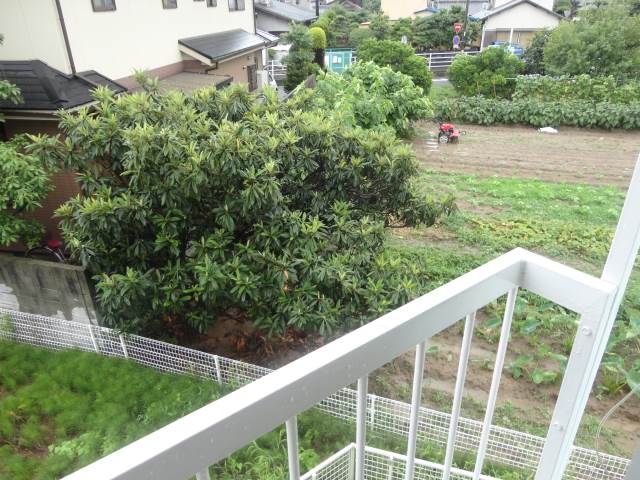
(573, 223)
(58, 414)
(196, 204)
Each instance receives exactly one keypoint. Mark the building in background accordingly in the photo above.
(275, 17)
(516, 21)
(116, 37)
(396, 9)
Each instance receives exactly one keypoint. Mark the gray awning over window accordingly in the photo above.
(216, 47)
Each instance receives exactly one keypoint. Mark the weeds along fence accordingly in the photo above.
(507, 447)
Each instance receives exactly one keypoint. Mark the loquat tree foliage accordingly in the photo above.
(194, 204)
(25, 183)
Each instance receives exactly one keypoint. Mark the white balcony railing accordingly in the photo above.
(193, 443)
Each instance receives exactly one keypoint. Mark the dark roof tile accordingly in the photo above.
(45, 88)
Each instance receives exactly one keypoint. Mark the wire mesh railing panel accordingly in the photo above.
(505, 446)
(338, 467)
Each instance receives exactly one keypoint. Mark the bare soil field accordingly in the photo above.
(596, 157)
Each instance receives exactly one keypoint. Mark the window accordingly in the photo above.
(236, 5)
(169, 3)
(103, 5)
(212, 3)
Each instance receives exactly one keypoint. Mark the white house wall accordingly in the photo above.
(140, 34)
(548, 4)
(32, 31)
(402, 8)
(522, 17)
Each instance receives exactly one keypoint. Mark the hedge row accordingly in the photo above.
(578, 113)
(581, 87)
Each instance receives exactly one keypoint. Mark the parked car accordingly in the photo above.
(514, 48)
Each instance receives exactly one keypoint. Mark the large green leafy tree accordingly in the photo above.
(25, 183)
(8, 91)
(371, 97)
(338, 23)
(603, 41)
(534, 54)
(195, 204)
(400, 57)
(491, 73)
(436, 31)
(300, 60)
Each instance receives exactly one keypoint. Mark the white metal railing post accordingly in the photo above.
(458, 394)
(216, 362)
(123, 345)
(292, 448)
(495, 381)
(361, 426)
(416, 396)
(430, 55)
(591, 340)
(93, 339)
(203, 475)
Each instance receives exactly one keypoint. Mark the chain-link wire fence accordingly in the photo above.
(506, 447)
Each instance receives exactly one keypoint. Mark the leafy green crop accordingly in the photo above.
(532, 111)
(581, 87)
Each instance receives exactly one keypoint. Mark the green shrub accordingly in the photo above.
(25, 184)
(370, 96)
(318, 38)
(435, 32)
(532, 111)
(359, 35)
(400, 57)
(603, 41)
(299, 61)
(196, 204)
(491, 73)
(534, 54)
(581, 87)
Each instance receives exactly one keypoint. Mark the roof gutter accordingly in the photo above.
(65, 35)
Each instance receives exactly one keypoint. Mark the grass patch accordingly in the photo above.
(62, 410)
(569, 222)
(440, 91)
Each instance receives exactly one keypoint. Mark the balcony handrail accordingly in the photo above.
(189, 444)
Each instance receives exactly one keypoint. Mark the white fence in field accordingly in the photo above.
(436, 61)
(507, 447)
(442, 60)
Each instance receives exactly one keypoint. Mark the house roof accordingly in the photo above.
(223, 45)
(484, 14)
(428, 9)
(45, 88)
(270, 38)
(285, 11)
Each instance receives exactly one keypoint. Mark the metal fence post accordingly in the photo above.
(93, 339)
(216, 361)
(124, 345)
(361, 426)
(292, 448)
(458, 394)
(416, 396)
(495, 380)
